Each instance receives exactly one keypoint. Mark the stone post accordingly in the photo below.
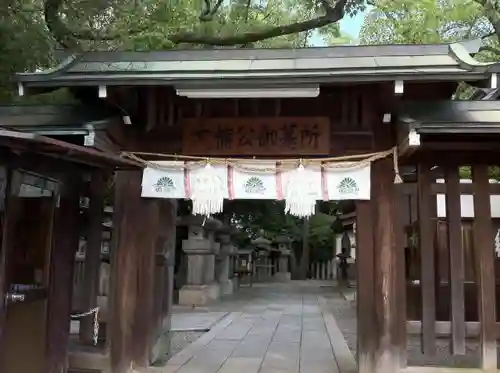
(199, 247)
(226, 249)
(283, 274)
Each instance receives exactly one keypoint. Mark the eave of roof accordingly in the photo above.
(445, 117)
(227, 67)
(55, 119)
(63, 150)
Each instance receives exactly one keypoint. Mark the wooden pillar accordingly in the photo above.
(380, 271)
(170, 229)
(427, 227)
(402, 219)
(365, 291)
(136, 224)
(164, 272)
(65, 244)
(456, 260)
(483, 246)
(386, 353)
(92, 262)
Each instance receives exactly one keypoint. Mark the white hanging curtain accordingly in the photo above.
(347, 181)
(165, 180)
(254, 180)
(301, 184)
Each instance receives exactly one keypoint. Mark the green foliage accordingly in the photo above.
(267, 219)
(423, 22)
(32, 31)
(465, 172)
(435, 21)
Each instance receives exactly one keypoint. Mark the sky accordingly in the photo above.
(348, 25)
(352, 25)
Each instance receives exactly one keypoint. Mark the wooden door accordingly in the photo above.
(27, 241)
(4, 185)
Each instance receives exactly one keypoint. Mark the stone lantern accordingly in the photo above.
(262, 244)
(284, 242)
(262, 265)
(200, 248)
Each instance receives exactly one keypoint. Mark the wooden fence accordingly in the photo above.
(450, 262)
(323, 270)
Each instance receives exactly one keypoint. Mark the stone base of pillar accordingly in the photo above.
(198, 295)
(227, 287)
(236, 283)
(282, 276)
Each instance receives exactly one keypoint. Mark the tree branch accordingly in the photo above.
(70, 39)
(487, 48)
(209, 12)
(332, 15)
(57, 27)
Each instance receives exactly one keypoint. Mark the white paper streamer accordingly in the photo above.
(208, 191)
(300, 193)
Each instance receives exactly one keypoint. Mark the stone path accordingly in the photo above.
(274, 328)
(196, 321)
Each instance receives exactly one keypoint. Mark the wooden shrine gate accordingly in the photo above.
(445, 255)
(445, 287)
(320, 102)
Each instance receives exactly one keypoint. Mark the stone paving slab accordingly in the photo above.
(274, 328)
(199, 321)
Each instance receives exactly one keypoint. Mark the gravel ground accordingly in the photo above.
(344, 312)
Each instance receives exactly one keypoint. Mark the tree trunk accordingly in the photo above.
(306, 250)
(294, 269)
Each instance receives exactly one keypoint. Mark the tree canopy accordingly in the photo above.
(32, 32)
(203, 22)
(434, 21)
(423, 22)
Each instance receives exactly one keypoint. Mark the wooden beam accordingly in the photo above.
(440, 370)
(426, 242)
(483, 246)
(61, 274)
(365, 271)
(441, 188)
(456, 259)
(92, 264)
(443, 328)
(487, 144)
